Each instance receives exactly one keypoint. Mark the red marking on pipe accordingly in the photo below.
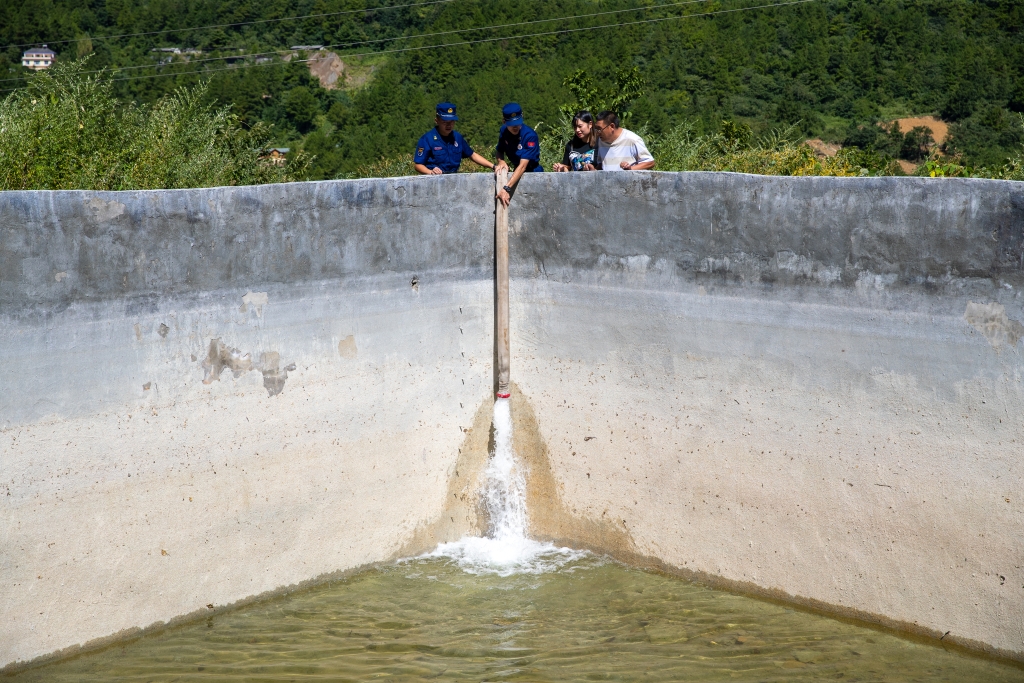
(501, 395)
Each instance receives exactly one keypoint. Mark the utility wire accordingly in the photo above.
(234, 23)
(529, 35)
(520, 23)
(388, 40)
(491, 40)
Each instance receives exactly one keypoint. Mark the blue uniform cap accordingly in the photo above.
(446, 112)
(512, 113)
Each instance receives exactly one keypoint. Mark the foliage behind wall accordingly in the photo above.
(831, 68)
(67, 131)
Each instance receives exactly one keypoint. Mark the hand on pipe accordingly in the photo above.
(561, 168)
(436, 171)
(500, 166)
(503, 197)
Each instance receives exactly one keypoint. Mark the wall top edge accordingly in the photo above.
(475, 178)
(735, 229)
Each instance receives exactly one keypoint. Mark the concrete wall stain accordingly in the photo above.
(105, 210)
(347, 347)
(255, 299)
(222, 356)
(991, 320)
(274, 376)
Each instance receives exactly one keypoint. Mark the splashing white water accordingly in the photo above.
(504, 490)
(505, 550)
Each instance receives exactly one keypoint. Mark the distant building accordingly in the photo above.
(178, 50)
(38, 58)
(307, 48)
(277, 155)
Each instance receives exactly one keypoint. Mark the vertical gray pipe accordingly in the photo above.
(501, 280)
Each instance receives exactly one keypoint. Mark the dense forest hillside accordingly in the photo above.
(832, 68)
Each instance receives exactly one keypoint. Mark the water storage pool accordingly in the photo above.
(505, 607)
(561, 617)
(809, 389)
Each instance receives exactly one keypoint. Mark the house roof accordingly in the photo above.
(40, 52)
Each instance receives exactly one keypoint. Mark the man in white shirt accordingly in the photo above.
(619, 149)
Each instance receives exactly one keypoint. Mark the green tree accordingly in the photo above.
(302, 107)
(629, 86)
(917, 143)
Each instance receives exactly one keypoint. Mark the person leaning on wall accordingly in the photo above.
(442, 149)
(619, 149)
(519, 144)
(579, 152)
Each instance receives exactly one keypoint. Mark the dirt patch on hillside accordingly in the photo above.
(822, 148)
(328, 68)
(333, 73)
(908, 167)
(938, 127)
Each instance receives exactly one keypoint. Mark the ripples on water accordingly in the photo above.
(588, 620)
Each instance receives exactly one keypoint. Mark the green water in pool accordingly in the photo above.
(571, 617)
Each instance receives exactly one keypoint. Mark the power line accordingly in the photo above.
(532, 35)
(235, 23)
(500, 38)
(422, 35)
(522, 23)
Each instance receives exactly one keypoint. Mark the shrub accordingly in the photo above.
(383, 168)
(65, 130)
(778, 152)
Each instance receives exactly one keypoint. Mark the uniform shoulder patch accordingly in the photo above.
(531, 143)
(419, 150)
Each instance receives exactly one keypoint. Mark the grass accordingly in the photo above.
(66, 130)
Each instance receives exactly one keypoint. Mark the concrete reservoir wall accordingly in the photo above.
(810, 388)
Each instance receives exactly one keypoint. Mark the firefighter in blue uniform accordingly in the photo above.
(443, 149)
(519, 144)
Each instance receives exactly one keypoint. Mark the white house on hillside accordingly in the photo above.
(38, 58)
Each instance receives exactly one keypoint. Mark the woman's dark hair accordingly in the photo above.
(584, 116)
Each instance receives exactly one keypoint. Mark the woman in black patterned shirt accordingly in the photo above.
(579, 152)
